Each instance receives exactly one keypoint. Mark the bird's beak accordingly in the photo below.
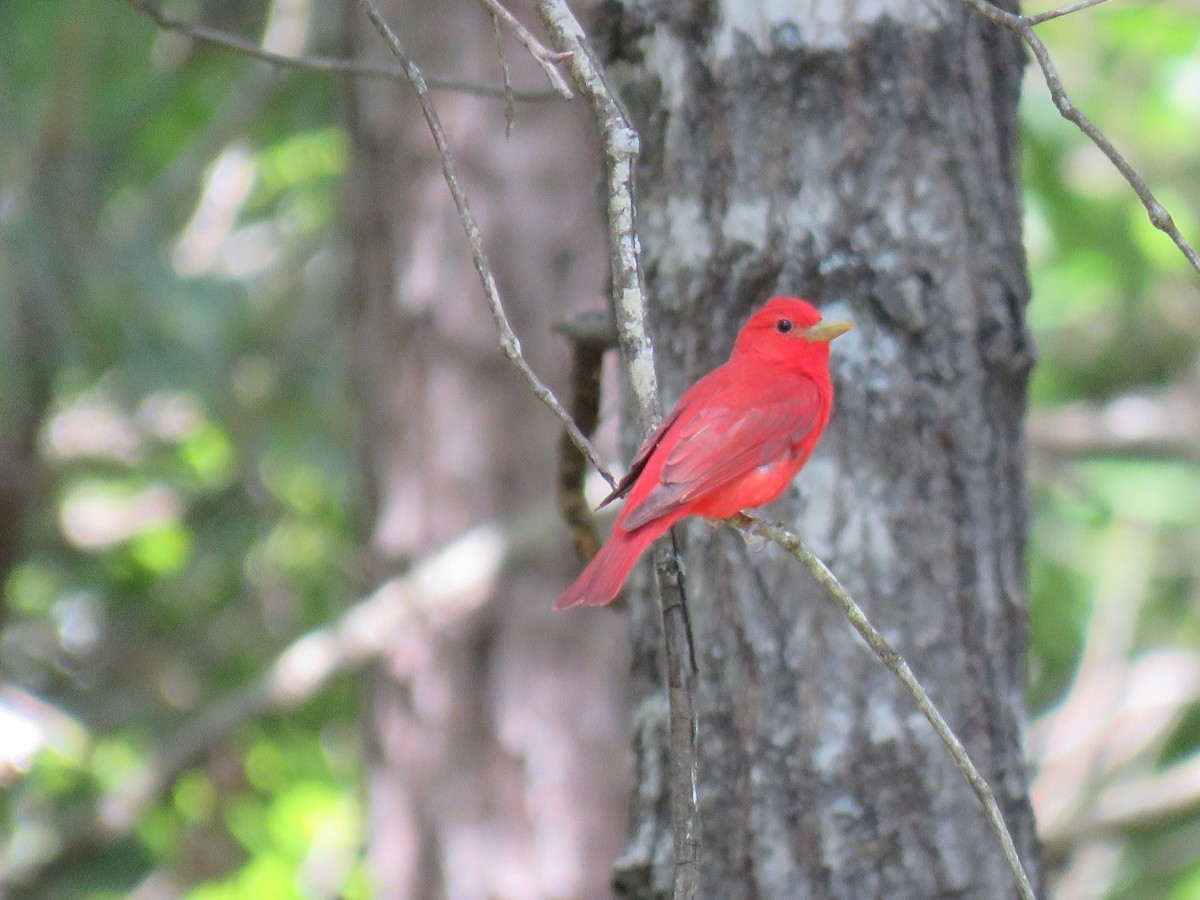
(826, 331)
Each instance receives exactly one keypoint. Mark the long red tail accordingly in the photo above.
(601, 580)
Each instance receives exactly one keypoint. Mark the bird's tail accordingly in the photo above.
(601, 580)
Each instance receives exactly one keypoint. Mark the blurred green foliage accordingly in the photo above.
(195, 515)
(1113, 300)
(197, 444)
(1115, 554)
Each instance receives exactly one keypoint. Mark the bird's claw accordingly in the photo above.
(754, 541)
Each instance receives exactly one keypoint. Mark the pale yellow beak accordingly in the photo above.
(826, 331)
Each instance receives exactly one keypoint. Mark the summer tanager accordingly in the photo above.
(735, 440)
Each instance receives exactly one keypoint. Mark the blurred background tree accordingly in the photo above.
(187, 354)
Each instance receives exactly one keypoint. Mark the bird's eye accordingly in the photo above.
(783, 326)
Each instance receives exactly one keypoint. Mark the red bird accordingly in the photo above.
(735, 440)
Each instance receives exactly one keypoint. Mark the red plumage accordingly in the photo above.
(735, 440)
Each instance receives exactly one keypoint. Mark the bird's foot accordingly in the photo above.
(754, 541)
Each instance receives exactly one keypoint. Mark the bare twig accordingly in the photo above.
(218, 38)
(620, 152)
(1022, 26)
(542, 55)
(1062, 11)
(510, 115)
(509, 344)
(895, 662)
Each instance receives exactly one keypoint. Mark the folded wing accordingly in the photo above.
(711, 444)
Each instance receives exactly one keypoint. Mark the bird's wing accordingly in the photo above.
(625, 485)
(711, 444)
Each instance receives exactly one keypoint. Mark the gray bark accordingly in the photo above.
(863, 156)
(499, 739)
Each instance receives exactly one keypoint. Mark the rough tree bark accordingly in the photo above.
(863, 156)
(500, 739)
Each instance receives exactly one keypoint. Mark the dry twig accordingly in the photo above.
(889, 656)
(218, 38)
(1062, 11)
(510, 113)
(1022, 27)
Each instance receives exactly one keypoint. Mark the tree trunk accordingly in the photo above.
(863, 156)
(500, 737)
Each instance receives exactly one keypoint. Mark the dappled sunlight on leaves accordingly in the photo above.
(97, 515)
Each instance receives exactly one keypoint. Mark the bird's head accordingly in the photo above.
(789, 330)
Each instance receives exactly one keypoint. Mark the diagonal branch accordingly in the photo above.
(217, 38)
(1022, 26)
(1062, 11)
(509, 344)
(891, 658)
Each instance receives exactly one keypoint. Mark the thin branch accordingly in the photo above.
(621, 145)
(217, 38)
(1062, 11)
(510, 113)
(509, 344)
(684, 720)
(542, 55)
(620, 153)
(889, 656)
(1022, 26)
